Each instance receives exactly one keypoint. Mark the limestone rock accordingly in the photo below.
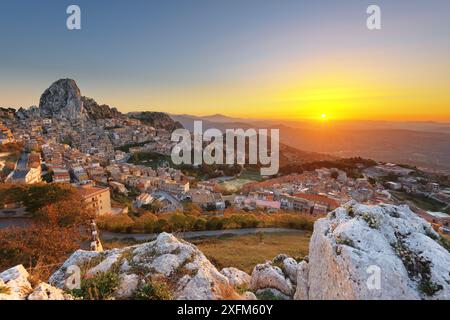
(62, 99)
(15, 280)
(128, 285)
(105, 265)
(237, 278)
(190, 274)
(248, 295)
(45, 291)
(301, 292)
(376, 252)
(268, 276)
(78, 258)
(290, 269)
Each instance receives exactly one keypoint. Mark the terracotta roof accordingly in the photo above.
(318, 198)
(89, 191)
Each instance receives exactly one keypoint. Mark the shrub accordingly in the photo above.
(145, 223)
(267, 295)
(444, 242)
(429, 288)
(115, 223)
(99, 287)
(35, 247)
(153, 290)
(5, 290)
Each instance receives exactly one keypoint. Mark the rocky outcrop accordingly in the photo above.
(357, 252)
(237, 278)
(62, 99)
(96, 111)
(301, 292)
(269, 276)
(7, 113)
(159, 120)
(180, 265)
(374, 252)
(44, 291)
(32, 112)
(14, 285)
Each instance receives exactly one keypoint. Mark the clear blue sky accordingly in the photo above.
(198, 55)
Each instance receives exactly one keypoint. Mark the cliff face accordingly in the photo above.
(62, 99)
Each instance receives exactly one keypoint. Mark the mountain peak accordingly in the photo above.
(63, 99)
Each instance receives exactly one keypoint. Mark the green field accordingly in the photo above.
(244, 252)
(251, 174)
(235, 185)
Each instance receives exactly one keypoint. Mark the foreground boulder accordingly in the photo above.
(14, 285)
(183, 269)
(374, 252)
(237, 278)
(269, 276)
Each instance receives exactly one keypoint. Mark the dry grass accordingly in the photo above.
(244, 252)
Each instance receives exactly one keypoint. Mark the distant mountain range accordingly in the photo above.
(422, 144)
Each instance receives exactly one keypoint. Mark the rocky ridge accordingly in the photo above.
(63, 100)
(156, 120)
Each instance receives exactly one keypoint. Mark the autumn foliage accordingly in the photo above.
(57, 228)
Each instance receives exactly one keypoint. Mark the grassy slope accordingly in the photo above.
(244, 252)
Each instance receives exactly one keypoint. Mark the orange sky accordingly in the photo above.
(287, 59)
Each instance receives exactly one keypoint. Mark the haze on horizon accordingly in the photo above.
(270, 59)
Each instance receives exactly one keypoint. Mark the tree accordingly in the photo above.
(57, 230)
(55, 203)
(41, 247)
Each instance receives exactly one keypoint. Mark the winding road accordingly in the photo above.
(106, 235)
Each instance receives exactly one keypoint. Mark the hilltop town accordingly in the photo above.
(70, 161)
(120, 163)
